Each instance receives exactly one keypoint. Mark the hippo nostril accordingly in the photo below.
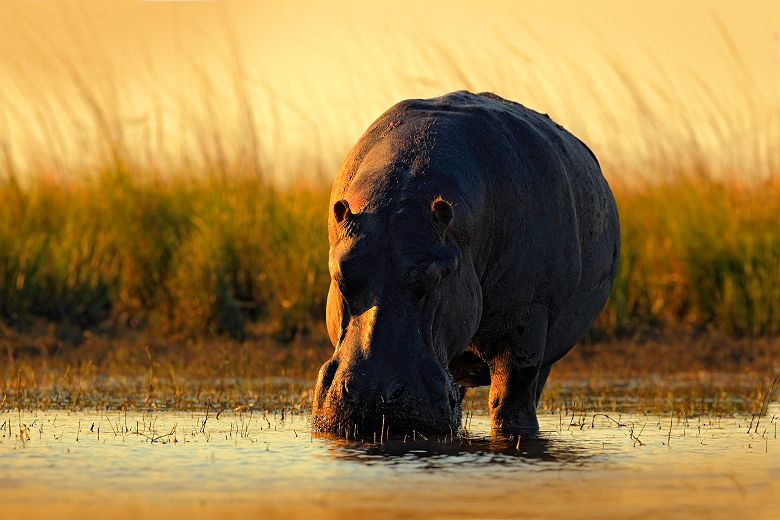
(327, 373)
(348, 391)
(393, 391)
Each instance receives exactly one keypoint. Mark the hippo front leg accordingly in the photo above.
(514, 375)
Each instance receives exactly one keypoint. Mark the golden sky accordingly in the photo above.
(320, 72)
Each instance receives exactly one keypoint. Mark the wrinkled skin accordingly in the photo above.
(473, 242)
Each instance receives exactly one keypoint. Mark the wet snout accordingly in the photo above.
(353, 390)
(362, 394)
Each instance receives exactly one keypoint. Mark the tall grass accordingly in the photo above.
(203, 254)
(209, 242)
(194, 255)
(698, 252)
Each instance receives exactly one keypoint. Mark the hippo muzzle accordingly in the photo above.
(363, 396)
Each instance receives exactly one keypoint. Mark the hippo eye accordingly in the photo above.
(352, 285)
(350, 275)
(424, 276)
(348, 289)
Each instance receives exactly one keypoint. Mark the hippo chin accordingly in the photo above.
(473, 242)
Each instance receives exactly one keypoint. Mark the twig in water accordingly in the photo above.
(765, 403)
(593, 421)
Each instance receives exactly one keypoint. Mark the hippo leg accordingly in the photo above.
(544, 372)
(515, 374)
(462, 390)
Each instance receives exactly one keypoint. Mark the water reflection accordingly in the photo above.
(546, 450)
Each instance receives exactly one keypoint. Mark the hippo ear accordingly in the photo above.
(341, 211)
(442, 212)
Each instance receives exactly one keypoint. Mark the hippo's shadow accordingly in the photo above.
(466, 450)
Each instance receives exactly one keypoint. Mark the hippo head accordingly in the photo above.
(389, 313)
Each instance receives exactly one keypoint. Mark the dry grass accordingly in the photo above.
(706, 374)
(130, 277)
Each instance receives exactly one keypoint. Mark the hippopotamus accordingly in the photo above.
(473, 242)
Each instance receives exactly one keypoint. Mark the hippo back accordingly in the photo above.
(534, 215)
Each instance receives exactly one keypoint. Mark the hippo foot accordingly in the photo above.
(524, 427)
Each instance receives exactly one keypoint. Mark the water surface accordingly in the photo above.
(262, 464)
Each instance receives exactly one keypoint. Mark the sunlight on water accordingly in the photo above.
(252, 460)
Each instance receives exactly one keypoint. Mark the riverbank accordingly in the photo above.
(704, 373)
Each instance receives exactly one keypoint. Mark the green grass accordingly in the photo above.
(207, 254)
(699, 252)
(194, 255)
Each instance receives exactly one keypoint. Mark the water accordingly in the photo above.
(250, 463)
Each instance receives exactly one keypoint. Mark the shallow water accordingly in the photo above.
(254, 463)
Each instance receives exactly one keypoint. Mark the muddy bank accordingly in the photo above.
(711, 374)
